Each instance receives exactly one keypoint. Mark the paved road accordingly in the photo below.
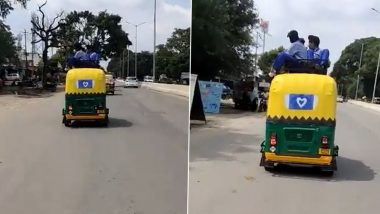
(136, 165)
(225, 177)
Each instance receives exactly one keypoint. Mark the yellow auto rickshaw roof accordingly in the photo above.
(310, 97)
(85, 81)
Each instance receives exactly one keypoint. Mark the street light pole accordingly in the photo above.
(154, 41)
(136, 26)
(122, 67)
(136, 55)
(358, 78)
(128, 61)
(377, 69)
(374, 85)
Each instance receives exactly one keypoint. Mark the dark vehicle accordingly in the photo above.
(244, 95)
(185, 78)
(164, 79)
(376, 100)
(227, 92)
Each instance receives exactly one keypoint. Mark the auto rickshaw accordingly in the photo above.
(85, 98)
(300, 121)
(110, 84)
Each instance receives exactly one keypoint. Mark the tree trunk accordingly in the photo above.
(45, 61)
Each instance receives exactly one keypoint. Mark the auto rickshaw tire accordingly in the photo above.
(269, 168)
(237, 105)
(67, 123)
(328, 173)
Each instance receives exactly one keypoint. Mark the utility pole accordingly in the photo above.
(136, 54)
(26, 52)
(128, 61)
(121, 65)
(358, 78)
(257, 46)
(374, 85)
(154, 41)
(136, 26)
(264, 41)
(33, 47)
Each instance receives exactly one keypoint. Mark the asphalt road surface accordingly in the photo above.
(225, 176)
(137, 165)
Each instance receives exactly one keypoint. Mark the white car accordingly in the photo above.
(339, 99)
(148, 79)
(131, 82)
(12, 76)
(119, 82)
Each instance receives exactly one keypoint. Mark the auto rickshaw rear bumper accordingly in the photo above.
(102, 114)
(322, 160)
(86, 117)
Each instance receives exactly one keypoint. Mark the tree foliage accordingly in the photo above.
(103, 31)
(6, 6)
(221, 37)
(346, 69)
(266, 60)
(7, 46)
(172, 58)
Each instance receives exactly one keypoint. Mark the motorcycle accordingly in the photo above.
(262, 103)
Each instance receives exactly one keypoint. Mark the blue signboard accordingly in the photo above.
(211, 93)
(83, 84)
(301, 101)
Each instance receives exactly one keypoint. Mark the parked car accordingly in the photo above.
(376, 100)
(119, 82)
(164, 79)
(13, 77)
(148, 79)
(185, 76)
(131, 82)
(340, 99)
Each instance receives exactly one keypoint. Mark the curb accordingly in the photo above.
(371, 106)
(166, 90)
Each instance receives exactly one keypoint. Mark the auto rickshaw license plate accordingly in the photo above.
(324, 151)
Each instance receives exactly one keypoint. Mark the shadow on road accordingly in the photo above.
(116, 94)
(113, 123)
(348, 170)
(213, 145)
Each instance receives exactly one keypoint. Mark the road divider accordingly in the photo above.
(179, 90)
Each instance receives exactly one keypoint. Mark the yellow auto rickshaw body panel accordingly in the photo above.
(77, 76)
(290, 92)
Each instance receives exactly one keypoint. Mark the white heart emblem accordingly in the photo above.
(301, 102)
(85, 84)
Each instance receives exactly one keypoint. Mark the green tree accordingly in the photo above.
(266, 60)
(7, 46)
(221, 37)
(346, 69)
(173, 58)
(103, 31)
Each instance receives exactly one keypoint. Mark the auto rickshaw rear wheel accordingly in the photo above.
(66, 122)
